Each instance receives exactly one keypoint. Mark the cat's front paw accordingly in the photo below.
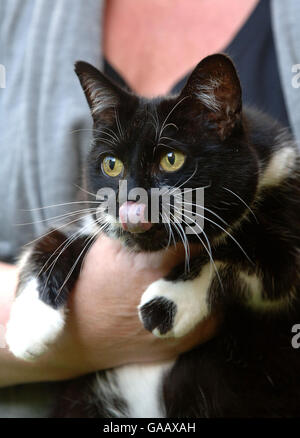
(157, 314)
(172, 309)
(33, 325)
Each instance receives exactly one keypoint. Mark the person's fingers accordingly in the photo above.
(103, 307)
(103, 328)
(161, 349)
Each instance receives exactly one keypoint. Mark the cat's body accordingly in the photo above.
(249, 167)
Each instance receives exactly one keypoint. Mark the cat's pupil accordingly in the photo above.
(111, 163)
(171, 158)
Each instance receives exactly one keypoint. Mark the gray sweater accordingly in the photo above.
(43, 104)
(40, 108)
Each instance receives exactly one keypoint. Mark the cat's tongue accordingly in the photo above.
(132, 217)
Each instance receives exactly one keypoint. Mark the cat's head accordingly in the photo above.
(194, 147)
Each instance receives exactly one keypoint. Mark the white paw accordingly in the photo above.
(173, 309)
(33, 325)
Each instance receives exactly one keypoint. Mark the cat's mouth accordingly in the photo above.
(134, 230)
(153, 239)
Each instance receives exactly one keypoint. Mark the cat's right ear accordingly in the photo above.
(215, 95)
(102, 95)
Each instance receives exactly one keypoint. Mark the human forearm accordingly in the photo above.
(12, 371)
(103, 329)
(8, 284)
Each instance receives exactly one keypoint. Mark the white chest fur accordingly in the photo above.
(140, 386)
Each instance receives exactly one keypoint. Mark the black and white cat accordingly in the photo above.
(247, 264)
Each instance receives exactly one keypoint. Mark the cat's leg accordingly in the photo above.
(173, 306)
(48, 272)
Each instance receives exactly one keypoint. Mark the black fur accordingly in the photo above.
(43, 263)
(249, 370)
(159, 313)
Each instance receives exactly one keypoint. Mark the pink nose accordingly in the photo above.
(132, 217)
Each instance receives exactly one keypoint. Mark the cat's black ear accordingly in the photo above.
(216, 93)
(102, 95)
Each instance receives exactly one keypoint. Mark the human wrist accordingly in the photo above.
(8, 284)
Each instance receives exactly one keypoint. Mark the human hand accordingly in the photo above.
(103, 329)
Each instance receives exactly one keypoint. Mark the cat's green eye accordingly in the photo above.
(112, 166)
(172, 161)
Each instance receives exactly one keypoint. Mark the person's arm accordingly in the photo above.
(103, 329)
(8, 283)
(12, 371)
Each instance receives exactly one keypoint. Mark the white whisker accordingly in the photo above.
(208, 250)
(118, 123)
(184, 240)
(85, 191)
(59, 205)
(246, 205)
(164, 125)
(60, 216)
(51, 231)
(87, 242)
(226, 232)
(184, 182)
(206, 209)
